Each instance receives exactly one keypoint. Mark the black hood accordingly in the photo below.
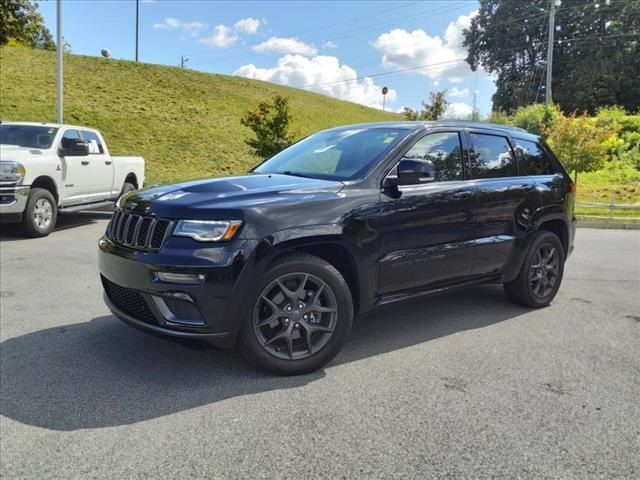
(215, 198)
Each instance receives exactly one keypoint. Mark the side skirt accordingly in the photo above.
(429, 292)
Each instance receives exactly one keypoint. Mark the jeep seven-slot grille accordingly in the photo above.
(128, 301)
(138, 231)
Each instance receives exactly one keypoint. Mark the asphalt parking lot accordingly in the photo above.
(465, 385)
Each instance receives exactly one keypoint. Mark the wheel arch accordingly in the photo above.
(557, 225)
(49, 184)
(330, 248)
(132, 179)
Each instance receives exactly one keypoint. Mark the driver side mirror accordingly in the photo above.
(413, 171)
(75, 148)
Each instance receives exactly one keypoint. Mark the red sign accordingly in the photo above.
(385, 90)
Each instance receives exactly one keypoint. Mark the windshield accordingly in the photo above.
(31, 136)
(339, 154)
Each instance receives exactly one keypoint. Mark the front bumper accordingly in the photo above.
(13, 199)
(211, 310)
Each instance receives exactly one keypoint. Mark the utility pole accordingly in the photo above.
(137, 26)
(60, 49)
(552, 19)
(183, 61)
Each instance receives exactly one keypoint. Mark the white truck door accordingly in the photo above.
(102, 167)
(75, 186)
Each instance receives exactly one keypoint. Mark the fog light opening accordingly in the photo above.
(182, 278)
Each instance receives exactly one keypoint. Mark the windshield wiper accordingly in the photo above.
(297, 174)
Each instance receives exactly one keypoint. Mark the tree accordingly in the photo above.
(430, 111)
(579, 142)
(596, 52)
(22, 24)
(270, 123)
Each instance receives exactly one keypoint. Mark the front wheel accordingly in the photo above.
(300, 317)
(40, 215)
(541, 273)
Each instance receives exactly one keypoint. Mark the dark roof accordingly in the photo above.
(514, 131)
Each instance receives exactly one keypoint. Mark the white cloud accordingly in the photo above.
(194, 28)
(223, 37)
(329, 44)
(286, 45)
(458, 110)
(458, 92)
(432, 56)
(247, 25)
(322, 74)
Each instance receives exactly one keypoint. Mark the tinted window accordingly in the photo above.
(532, 159)
(30, 136)
(68, 137)
(339, 154)
(444, 150)
(95, 145)
(491, 157)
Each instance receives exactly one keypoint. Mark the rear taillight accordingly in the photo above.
(572, 188)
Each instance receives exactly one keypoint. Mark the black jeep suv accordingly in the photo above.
(280, 260)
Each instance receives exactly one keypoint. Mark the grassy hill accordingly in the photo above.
(185, 123)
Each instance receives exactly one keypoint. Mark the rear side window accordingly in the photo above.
(444, 150)
(532, 159)
(95, 145)
(491, 157)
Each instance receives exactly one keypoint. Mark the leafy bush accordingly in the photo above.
(270, 123)
(536, 118)
(579, 142)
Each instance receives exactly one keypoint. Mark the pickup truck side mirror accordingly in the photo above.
(74, 148)
(413, 171)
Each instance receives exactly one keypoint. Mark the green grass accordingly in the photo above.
(185, 124)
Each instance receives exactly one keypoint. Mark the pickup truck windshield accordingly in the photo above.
(339, 154)
(31, 136)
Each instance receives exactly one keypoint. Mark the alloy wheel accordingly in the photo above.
(295, 316)
(544, 270)
(43, 213)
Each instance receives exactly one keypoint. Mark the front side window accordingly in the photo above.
(30, 136)
(95, 145)
(339, 154)
(491, 157)
(444, 150)
(532, 159)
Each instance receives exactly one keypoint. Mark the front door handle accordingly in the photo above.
(85, 162)
(107, 162)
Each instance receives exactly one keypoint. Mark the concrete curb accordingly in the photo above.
(608, 225)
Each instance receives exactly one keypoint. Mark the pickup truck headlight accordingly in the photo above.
(208, 230)
(12, 172)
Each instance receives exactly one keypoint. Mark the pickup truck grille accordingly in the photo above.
(138, 231)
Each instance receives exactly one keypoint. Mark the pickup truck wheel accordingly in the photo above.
(541, 273)
(126, 188)
(41, 213)
(299, 318)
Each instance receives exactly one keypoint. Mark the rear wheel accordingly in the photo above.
(126, 188)
(300, 318)
(41, 213)
(541, 273)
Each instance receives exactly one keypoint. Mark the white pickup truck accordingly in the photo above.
(48, 168)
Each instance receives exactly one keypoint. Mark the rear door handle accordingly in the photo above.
(107, 162)
(85, 162)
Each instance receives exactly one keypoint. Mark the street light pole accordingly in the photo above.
(552, 20)
(60, 48)
(137, 26)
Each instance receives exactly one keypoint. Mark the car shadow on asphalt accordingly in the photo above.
(103, 373)
(11, 232)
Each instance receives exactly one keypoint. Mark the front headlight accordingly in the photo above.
(208, 230)
(12, 172)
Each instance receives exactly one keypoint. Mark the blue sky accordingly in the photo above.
(348, 50)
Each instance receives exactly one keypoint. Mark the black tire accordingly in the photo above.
(41, 213)
(536, 287)
(317, 270)
(126, 188)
